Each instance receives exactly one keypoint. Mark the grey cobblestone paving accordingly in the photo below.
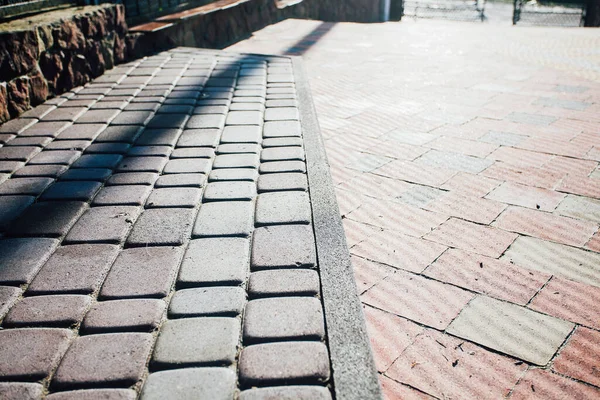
(133, 238)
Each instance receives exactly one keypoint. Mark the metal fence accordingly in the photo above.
(543, 13)
(458, 10)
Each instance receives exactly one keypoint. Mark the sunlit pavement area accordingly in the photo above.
(465, 160)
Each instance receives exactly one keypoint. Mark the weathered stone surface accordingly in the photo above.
(180, 180)
(133, 315)
(30, 354)
(287, 393)
(8, 296)
(102, 360)
(174, 197)
(282, 182)
(94, 394)
(74, 269)
(142, 272)
(284, 282)
(226, 218)
(14, 390)
(83, 190)
(19, 52)
(48, 311)
(278, 208)
(134, 195)
(11, 207)
(162, 227)
(108, 224)
(197, 342)
(193, 383)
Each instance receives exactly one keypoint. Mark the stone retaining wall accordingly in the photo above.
(46, 55)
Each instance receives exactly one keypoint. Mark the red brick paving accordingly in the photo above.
(497, 95)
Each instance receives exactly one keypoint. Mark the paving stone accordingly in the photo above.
(229, 191)
(227, 218)
(22, 258)
(103, 225)
(51, 129)
(142, 272)
(281, 103)
(206, 121)
(283, 318)
(10, 166)
(18, 153)
(8, 296)
(98, 116)
(127, 134)
(202, 302)
(11, 207)
(133, 118)
(62, 157)
(74, 269)
(162, 227)
(30, 354)
(533, 119)
(282, 114)
(69, 145)
(282, 166)
(233, 174)
(282, 182)
(98, 161)
(285, 282)
(177, 121)
(236, 161)
(553, 258)
(133, 178)
(238, 148)
(47, 311)
(546, 226)
(135, 315)
(64, 114)
(16, 126)
(49, 171)
(115, 359)
(280, 208)
(187, 166)
(502, 138)
(95, 394)
(181, 180)
(158, 137)
(149, 151)
(48, 219)
(39, 141)
(283, 246)
(109, 105)
(210, 109)
(175, 109)
(244, 118)
(193, 342)
(236, 106)
(142, 164)
(284, 363)
(81, 190)
(193, 152)
(274, 129)
(454, 161)
(472, 237)
(193, 383)
(149, 106)
(580, 207)
(26, 391)
(543, 384)
(214, 261)
(126, 195)
(174, 197)
(485, 321)
(287, 393)
(526, 196)
(199, 138)
(81, 132)
(577, 360)
(87, 174)
(241, 134)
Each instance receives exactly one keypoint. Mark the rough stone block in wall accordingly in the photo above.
(41, 59)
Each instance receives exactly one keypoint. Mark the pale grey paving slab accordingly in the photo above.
(206, 121)
(199, 138)
(132, 178)
(191, 383)
(419, 195)
(211, 261)
(224, 218)
(81, 132)
(282, 114)
(187, 166)
(169, 226)
(557, 259)
(279, 208)
(460, 162)
(181, 180)
(287, 392)
(195, 342)
(511, 329)
(158, 137)
(230, 191)
(579, 207)
(108, 224)
(18, 390)
(238, 148)
(562, 103)
(533, 119)
(174, 197)
(502, 138)
(273, 129)
(134, 195)
(203, 302)
(193, 152)
(142, 164)
(282, 182)
(8, 296)
(283, 318)
(130, 315)
(236, 161)
(241, 134)
(233, 174)
(282, 142)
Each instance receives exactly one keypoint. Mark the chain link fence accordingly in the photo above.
(543, 13)
(457, 10)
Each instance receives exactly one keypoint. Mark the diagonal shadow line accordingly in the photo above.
(309, 40)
